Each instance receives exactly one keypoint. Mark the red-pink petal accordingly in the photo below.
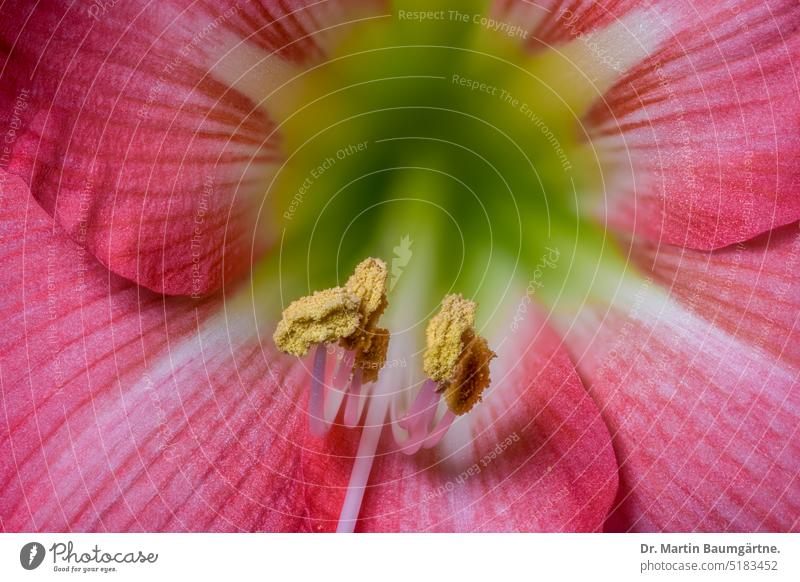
(749, 289)
(132, 136)
(552, 22)
(701, 388)
(701, 139)
(123, 410)
(538, 457)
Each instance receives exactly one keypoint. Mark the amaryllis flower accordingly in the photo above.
(582, 220)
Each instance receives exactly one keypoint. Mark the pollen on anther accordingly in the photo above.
(369, 283)
(470, 376)
(444, 336)
(348, 314)
(321, 317)
(456, 357)
(372, 360)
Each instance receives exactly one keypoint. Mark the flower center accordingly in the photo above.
(446, 147)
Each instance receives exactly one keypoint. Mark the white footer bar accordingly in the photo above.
(406, 557)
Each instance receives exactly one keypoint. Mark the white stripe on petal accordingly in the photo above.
(605, 55)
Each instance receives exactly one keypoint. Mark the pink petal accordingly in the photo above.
(748, 289)
(700, 388)
(550, 22)
(122, 410)
(701, 139)
(537, 458)
(140, 129)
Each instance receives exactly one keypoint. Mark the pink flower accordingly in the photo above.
(139, 387)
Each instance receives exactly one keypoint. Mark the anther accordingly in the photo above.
(348, 315)
(319, 318)
(457, 357)
(456, 360)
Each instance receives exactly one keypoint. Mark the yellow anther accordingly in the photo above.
(443, 335)
(471, 375)
(346, 314)
(374, 358)
(368, 282)
(322, 317)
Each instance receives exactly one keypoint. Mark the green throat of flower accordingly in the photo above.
(449, 149)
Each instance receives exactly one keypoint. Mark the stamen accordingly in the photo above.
(417, 421)
(371, 434)
(444, 336)
(322, 317)
(416, 438)
(339, 386)
(441, 429)
(368, 283)
(342, 378)
(353, 406)
(316, 400)
(426, 397)
(419, 418)
(456, 360)
(350, 315)
(372, 357)
(456, 356)
(470, 376)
